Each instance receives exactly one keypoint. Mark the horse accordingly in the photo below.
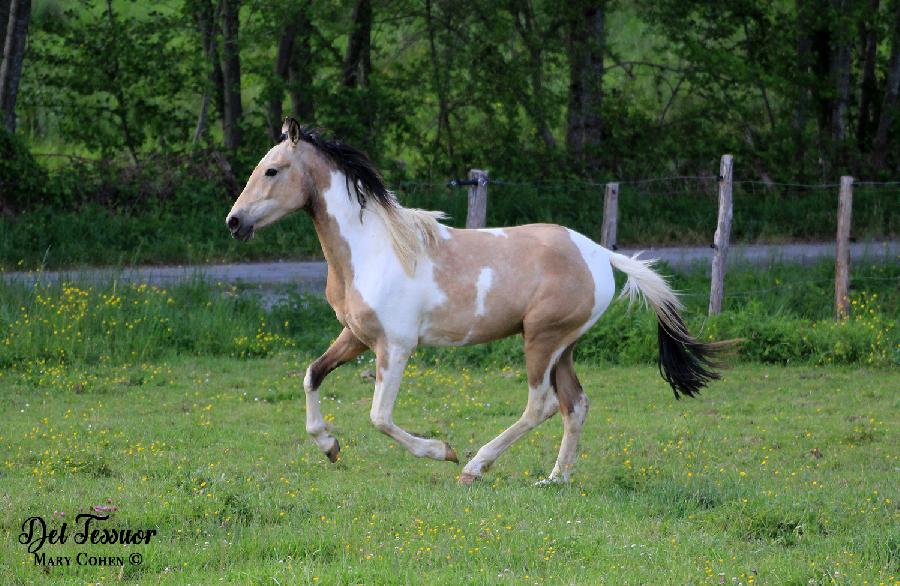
(398, 278)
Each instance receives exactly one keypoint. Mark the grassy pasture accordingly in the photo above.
(775, 476)
(182, 408)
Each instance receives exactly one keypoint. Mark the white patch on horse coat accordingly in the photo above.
(397, 298)
(597, 259)
(495, 231)
(444, 232)
(483, 286)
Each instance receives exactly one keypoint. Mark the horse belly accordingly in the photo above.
(470, 322)
(467, 332)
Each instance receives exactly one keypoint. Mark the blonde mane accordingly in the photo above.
(412, 231)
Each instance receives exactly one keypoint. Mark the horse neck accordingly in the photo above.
(344, 238)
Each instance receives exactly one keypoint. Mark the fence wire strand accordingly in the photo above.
(794, 285)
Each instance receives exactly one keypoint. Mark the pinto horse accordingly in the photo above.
(397, 279)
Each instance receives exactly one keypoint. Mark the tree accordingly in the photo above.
(840, 78)
(889, 104)
(293, 68)
(358, 62)
(206, 16)
(584, 129)
(231, 73)
(534, 41)
(301, 68)
(14, 42)
(4, 22)
(803, 63)
(110, 83)
(441, 67)
(868, 86)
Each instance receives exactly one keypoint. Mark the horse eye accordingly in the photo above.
(271, 172)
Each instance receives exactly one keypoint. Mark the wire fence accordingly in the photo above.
(793, 285)
(676, 210)
(682, 210)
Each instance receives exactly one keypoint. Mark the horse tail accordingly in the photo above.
(685, 363)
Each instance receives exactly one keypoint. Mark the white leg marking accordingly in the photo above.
(568, 450)
(542, 404)
(383, 406)
(315, 424)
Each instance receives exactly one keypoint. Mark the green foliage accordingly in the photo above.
(472, 83)
(110, 82)
(453, 86)
(75, 324)
(782, 317)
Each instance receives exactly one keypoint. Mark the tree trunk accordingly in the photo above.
(202, 117)
(281, 76)
(584, 132)
(840, 75)
(4, 21)
(358, 62)
(13, 56)
(441, 83)
(868, 85)
(301, 69)
(207, 19)
(889, 104)
(804, 63)
(820, 36)
(231, 73)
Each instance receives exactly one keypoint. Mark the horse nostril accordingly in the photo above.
(234, 223)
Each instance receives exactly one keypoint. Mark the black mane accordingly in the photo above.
(353, 163)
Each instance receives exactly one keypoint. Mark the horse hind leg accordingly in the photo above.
(573, 407)
(540, 356)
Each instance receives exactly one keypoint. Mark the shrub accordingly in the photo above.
(22, 179)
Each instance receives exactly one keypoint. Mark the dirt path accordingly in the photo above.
(310, 276)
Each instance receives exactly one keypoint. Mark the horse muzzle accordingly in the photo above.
(240, 230)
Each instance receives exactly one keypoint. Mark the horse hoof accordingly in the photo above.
(548, 482)
(334, 453)
(449, 454)
(467, 478)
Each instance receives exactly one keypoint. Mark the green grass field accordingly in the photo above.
(774, 476)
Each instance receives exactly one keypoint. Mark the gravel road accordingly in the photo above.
(310, 276)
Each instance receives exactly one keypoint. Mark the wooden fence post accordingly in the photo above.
(723, 233)
(610, 216)
(477, 214)
(842, 254)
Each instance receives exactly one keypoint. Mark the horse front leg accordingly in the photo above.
(344, 349)
(391, 362)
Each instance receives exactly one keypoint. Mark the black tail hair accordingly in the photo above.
(686, 364)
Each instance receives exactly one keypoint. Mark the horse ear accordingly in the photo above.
(290, 129)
